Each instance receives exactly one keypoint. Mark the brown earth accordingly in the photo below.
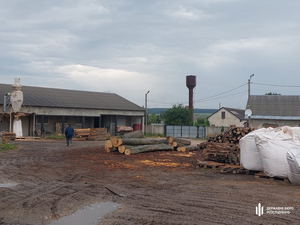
(155, 188)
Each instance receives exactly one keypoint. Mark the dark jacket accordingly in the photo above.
(69, 132)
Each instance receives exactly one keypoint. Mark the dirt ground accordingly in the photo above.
(54, 180)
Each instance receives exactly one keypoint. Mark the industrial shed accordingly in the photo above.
(274, 110)
(45, 109)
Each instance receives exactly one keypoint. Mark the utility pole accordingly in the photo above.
(146, 111)
(249, 85)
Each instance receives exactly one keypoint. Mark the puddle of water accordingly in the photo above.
(7, 185)
(89, 215)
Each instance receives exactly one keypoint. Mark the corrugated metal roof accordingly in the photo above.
(53, 97)
(239, 113)
(274, 105)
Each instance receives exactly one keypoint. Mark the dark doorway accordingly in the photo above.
(96, 122)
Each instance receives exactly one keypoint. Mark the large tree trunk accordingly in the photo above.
(148, 148)
(192, 148)
(134, 134)
(116, 142)
(182, 141)
(176, 144)
(108, 145)
(170, 140)
(122, 148)
(143, 141)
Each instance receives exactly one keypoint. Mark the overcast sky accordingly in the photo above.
(128, 47)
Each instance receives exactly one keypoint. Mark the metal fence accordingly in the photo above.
(185, 131)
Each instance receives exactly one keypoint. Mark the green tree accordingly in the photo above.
(152, 118)
(202, 122)
(177, 115)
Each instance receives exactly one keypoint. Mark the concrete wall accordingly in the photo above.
(155, 129)
(230, 119)
(212, 131)
(256, 123)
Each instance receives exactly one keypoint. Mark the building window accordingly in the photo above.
(223, 115)
(79, 120)
(39, 119)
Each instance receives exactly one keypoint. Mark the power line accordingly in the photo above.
(213, 97)
(199, 100)
(222, 96)
(276, 85)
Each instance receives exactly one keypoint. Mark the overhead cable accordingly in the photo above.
(277, 85)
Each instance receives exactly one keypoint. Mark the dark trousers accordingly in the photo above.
(69, 139)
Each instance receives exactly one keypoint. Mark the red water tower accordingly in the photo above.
(191, 83)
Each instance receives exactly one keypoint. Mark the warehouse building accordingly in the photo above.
(41, 111)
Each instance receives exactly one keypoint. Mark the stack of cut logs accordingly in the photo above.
(134, 142)
(94, 134)
(224, 147)
(232, 135)
(98, 134)
(9, 136)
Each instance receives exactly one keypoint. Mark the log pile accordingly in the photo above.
(232, 135)
(136, 145)
(98, 134)
(9, 136)
(222, 152)
(224, 148)
(93, 134)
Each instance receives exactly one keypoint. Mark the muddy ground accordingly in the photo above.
(53, 181)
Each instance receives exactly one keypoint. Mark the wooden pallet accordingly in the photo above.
(27, 138)
(210, 164)
(262, 175)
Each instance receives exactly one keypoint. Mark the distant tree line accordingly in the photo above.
(270, 93)
(177, 115)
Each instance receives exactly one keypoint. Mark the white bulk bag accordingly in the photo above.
(273, 147)
(250, 158)
(293, 158)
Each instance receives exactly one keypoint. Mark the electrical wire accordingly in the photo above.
(200, 100)
(213, 97)
(276, 85)
(222, 97)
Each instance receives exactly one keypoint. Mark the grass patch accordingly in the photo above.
(55, 136)
(154, 135)
(6, 147)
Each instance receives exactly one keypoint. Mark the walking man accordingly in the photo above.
(69, 132)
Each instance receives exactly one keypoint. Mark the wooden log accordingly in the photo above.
(192, 148)
(134, 134)
(122, 148)
(170, 140)
(148, 148)
(182, 141)
(108, 146)
(143, 141)
(176, 144)
(116, 142)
